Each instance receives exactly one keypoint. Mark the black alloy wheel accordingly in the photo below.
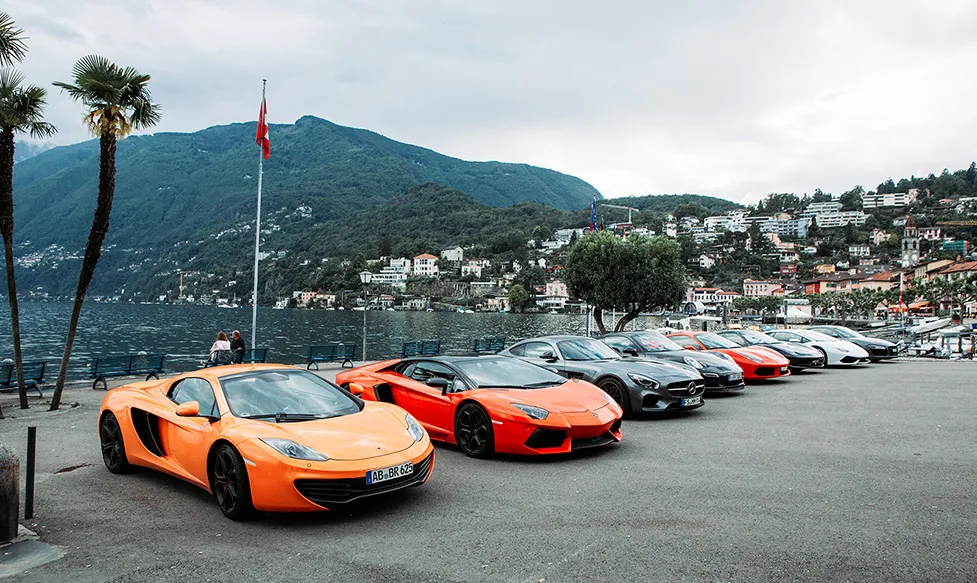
(473, 431)
(824, 354)
(113, 446)
(616, 391)
(229, 482)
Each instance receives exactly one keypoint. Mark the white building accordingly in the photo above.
(795, 228)
(755, 289)
(425, 265)
(892, 199)
(456, 254)
(474, 267)
(859, 250)
(706, 261)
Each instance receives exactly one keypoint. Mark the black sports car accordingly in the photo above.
(876, 348)
(719, 371)
(800, 356)
(637, 385)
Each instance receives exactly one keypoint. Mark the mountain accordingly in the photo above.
(174, 187)
(25, 150)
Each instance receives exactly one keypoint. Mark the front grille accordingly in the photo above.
(880, 351)
(599, 441)
(764, 371)
(544, 438)
(848, 359)
(332, 492)
(681, 388)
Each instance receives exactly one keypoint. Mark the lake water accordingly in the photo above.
(185, 333)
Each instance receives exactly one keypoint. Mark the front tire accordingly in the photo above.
(616, 391)
(473, 431)
(113, 445)
(824, 353)
(230, 485)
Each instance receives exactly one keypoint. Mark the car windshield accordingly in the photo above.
(508, 372)
(586, 349)
(758, 337)
(655, 342)
(840, 333)
(818, 336)
(710, 341)
(267, 393)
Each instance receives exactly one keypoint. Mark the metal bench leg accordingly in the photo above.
(105, 385)
(311, 364)
(344, 363)
(36, 387)
(152, 375)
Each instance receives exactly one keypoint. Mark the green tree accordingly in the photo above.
(852, 200)
(118, 101)
(634, 275)
(518, 298)
(21, 112)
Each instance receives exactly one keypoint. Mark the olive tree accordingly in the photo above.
(635, 275)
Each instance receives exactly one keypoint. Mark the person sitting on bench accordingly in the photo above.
(220, 351)
(237, 347)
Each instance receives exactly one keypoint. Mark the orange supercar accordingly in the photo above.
(757, 362)
(264, 437)
(492, 404)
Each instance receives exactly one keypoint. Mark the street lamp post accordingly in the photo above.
(365, 278)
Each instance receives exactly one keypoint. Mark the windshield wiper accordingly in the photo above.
(279, 417)
(543, 384)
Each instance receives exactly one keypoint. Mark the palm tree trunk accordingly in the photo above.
(93, 250)
(7, 230)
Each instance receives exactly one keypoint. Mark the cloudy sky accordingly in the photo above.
(728, 98)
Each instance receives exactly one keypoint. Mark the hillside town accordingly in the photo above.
(823, 248)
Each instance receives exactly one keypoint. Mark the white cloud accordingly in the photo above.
(729, 99)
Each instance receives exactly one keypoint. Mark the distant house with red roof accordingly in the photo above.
(425, 265)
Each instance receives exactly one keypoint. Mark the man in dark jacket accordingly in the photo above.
(237, 347)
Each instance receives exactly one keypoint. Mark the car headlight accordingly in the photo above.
(533, 412)
(646, 382)
(693, 362)
(752, 357)
(414, 428)
(289, 448)
(610, 400)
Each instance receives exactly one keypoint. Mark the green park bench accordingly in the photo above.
(103, 367)
(33, 376)
(334, 352)
(488, 344)
(421, 348)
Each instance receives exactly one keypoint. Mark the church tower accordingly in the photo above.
(910, 243)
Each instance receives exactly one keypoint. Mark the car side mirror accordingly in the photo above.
(548, 356)
(356, 389)
(437, 383)
(690, 348)
(188, 409)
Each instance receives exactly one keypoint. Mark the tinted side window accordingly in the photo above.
(199, 390)
(518, 350)
(425, 370)
(684, 341)
(619, 342)
(537, 349)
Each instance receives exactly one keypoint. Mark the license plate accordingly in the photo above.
(736, 376)
(391, 473)
(692, 401)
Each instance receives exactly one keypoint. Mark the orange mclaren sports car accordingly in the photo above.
(757, 362)
(264, 437)
(492, 404)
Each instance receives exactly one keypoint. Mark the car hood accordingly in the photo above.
(379, 429)
(767, 356)
(574, 396)
(711, 362)
(788, 349)
(662, 371)
(865, 342)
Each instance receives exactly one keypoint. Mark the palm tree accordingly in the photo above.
(21, 109)
(118, 102)
(13, 49)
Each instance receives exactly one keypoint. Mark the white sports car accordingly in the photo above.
(835, 351)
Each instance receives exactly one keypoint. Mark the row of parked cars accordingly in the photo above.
(272, 437)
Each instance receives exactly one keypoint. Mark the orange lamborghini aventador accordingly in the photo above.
(264, 437)
(492, 404)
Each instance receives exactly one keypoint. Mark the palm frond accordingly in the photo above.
(117, 98)
(145, 113)
(41, 129)
(10, 80)
(12, 46)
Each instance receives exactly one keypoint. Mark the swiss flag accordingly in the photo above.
(261, 138)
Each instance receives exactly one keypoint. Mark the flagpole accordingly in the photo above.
(257, 237)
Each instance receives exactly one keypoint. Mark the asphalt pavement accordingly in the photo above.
(866, 474)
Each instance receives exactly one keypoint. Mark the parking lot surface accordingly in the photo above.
(866, 475)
